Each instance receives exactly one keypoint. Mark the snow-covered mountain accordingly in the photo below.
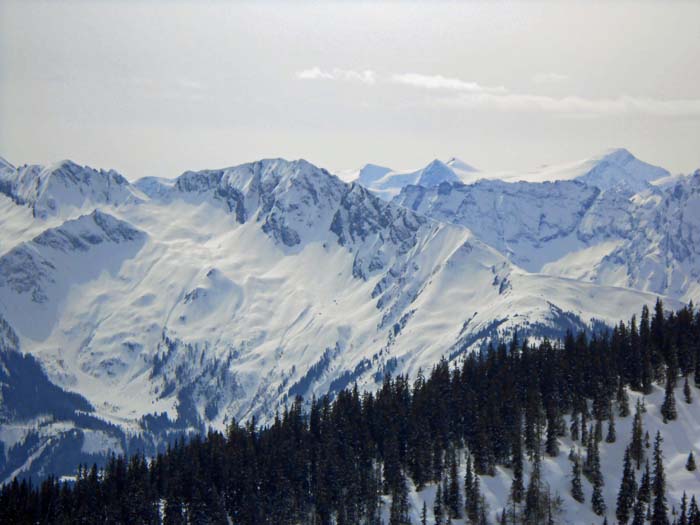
(387, 183)
(63, 187)
(615, 169)
(579, 227)
(182, 303)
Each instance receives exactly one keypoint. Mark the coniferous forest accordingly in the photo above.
(337, 461)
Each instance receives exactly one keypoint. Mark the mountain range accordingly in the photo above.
(142, 310)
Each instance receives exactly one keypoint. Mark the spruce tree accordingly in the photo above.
(424, 514)
(668, 409)
(475, 501)
(644, 493)
(683, 517)
(533, 512)
(584, 429)
(639, 515)
(517, 488)
(598, 430)
(398, 514)
(693, 512)
(690, 464)
(576, 487)
(637, 443)
(597, 501)
(611, 436)
(628, 490)
(573, 428)
(438, 509)
(551, 443)
(454, 502)
(623, 402)
(687, 393)
(659, 509)
(468, 486)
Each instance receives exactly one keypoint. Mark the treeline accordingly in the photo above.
(332, 462)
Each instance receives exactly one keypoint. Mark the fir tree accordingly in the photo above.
(424, 514)
(683, 517)
(584, 429)
(534, 511)
(690, 464)
(398, 514)
(611, 436)
(598, 430)
(687, 393)
(469, 482)
(517, 488)
(623, 402)
(637, 443)
(668, 409)
(644, 493)
(576, 487)
(475, 501)
(628, 490)
(597, 501)
(693, 512)
(574, 427)
(660, 509)
(438, 509)
(454, 502)
(639, 515)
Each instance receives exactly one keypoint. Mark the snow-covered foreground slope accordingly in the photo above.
(223, 293)
(680, 438)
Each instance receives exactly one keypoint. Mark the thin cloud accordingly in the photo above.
(446, 83)
(456, 92)
(573, 105)
(549, 78)
(366, 76)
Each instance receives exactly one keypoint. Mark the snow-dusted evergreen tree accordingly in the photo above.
(399, 511)
(597, 501)
(639, 514)
(687, 393)
(611, 436)
(637, 443)
(623, 402)
(438, 509)
(576, 486)
(628, 490)
(659, 514)
(517, 488)
(668, 409)
(453, 496)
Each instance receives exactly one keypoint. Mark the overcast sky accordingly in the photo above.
(158, 87)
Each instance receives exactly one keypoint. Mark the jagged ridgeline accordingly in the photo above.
(165, 306)
(591, 429)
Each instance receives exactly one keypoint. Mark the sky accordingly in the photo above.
(153, 88)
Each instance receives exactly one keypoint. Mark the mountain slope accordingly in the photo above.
(387, 184)
(64, 186)
(614, 169)
(574, 229)
(224, 292)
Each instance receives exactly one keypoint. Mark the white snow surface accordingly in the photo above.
(618, 232)
(243, 286)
